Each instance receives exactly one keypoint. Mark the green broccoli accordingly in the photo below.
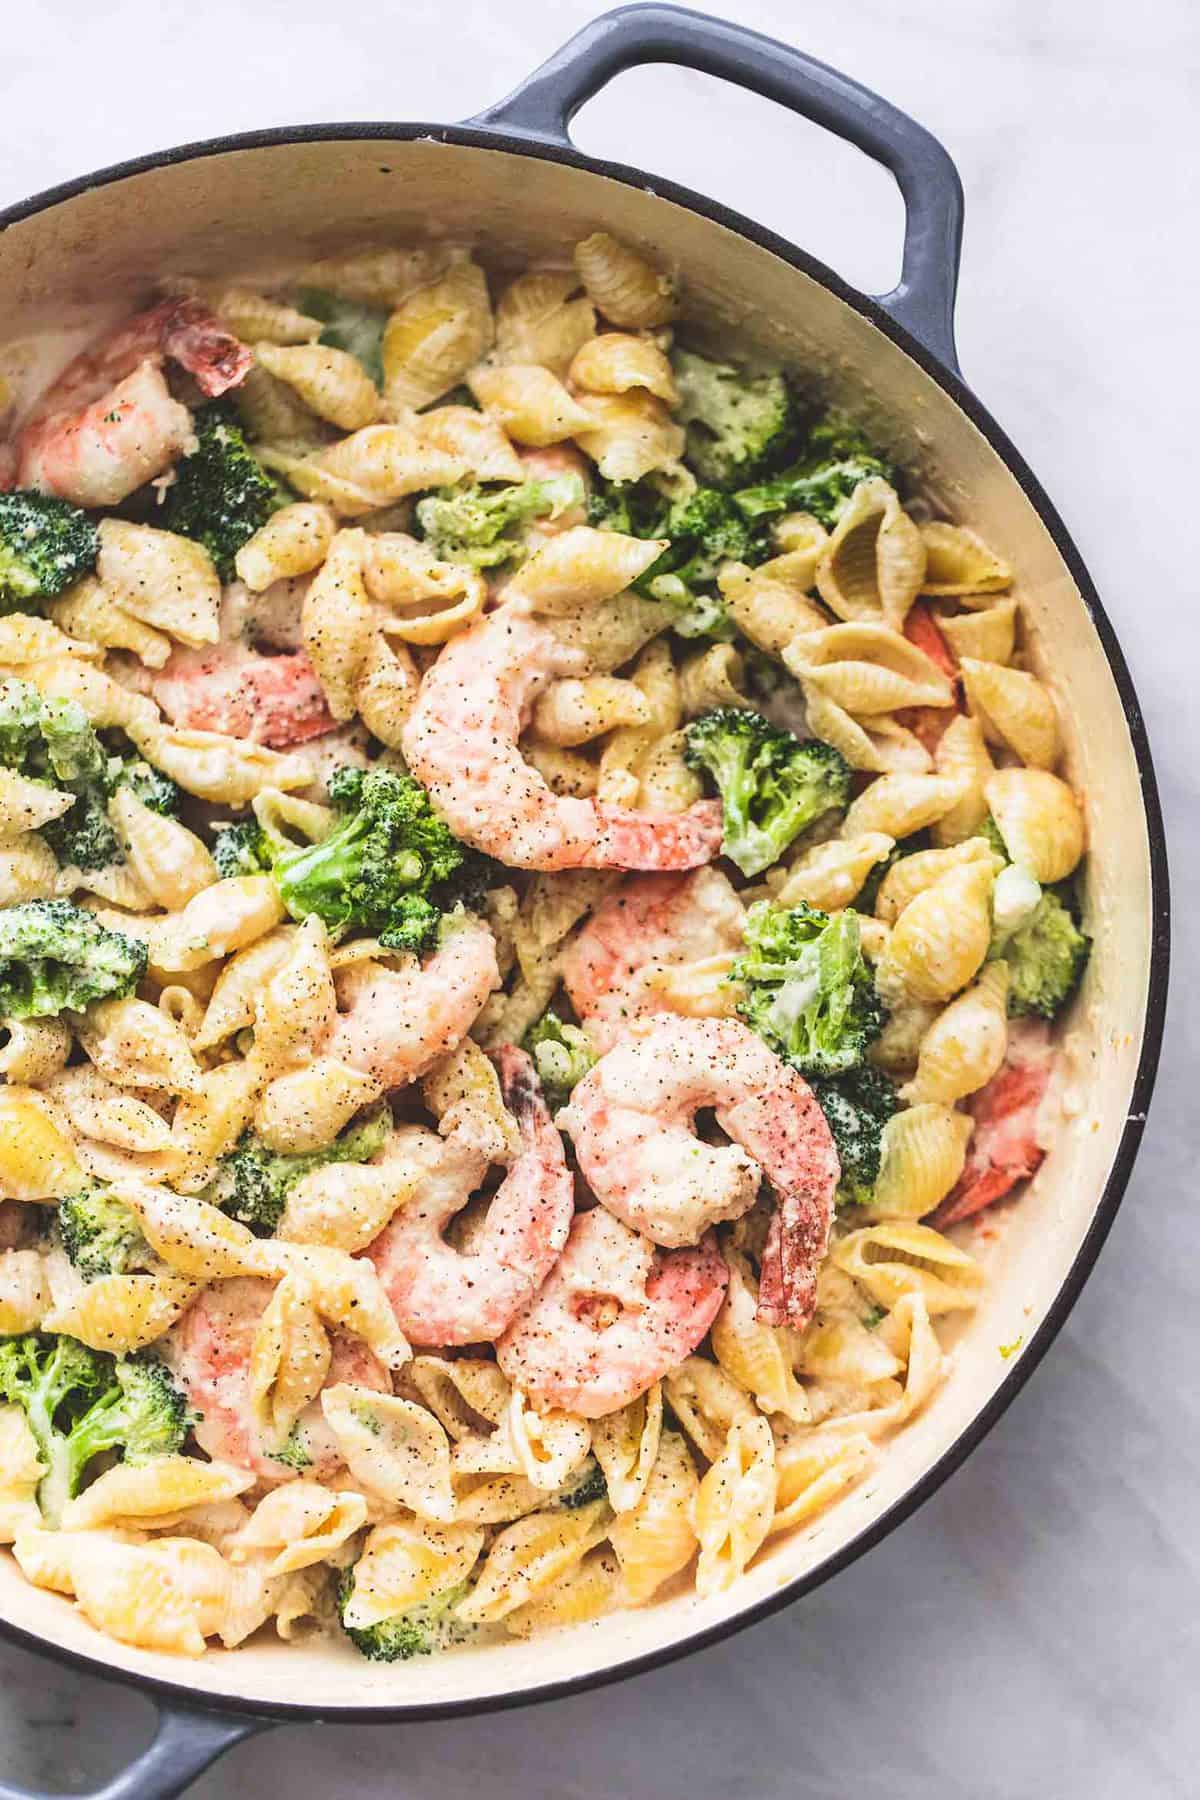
(562, 1055)
(809, 991)
(705, 530)
(81, 1404)
(857, 1106)
(221, 493)
(150, 786)
(477, 525)
(242, 849)
(252, 1183)
(836, 459)
(1046, 957)
(100, 1235)
(45, 545)
(55, 956)
(391, 867)
(419, 1631)
(349, 325)
(738, 424)
(771, 784)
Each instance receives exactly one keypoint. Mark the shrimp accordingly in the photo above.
(631, 1120)
(443, 1295)
(400, 1021)
(650, 923)
(1004, 1147)
(460, 740)
(275, 700)
(613, 1316)
(209, 1352)
(109, 423)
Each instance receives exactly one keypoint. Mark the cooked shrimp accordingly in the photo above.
(275, 700)
(209, 1351)
(109, 424)
(1004, 1148)
(632, 1122)
(613, 1316)
(400, 1021)
(648, 924)
(461, 741)
(443, 1295)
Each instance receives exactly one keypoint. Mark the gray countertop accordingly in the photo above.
(1033, 1630)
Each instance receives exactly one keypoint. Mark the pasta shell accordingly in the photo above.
(28, 867)
(940, 939)
(97, 1108)
(257, 319)
(830, 875)
(219, 920)
(537, 321)
(879, 745)
(294, 540)
(711, 678)
(25, 805)
(873, 566)
(564, 771)
(655, 1539)
(629, 435)
(474, 439)
(957, 561)
(165, 580)
(305, 1110)
(337, 622)
(405, 1564)
(868, 668)
(757, 1357)
(989, 636)
(813, 1471)
(626, 1445)
(573, 712)
(381, 275)
(965, 1046)
(962, 756)
(87, 610)
(549, 1445)
(900, 804)
(289, 1358)
(136, 1045)
(529, 403)
(121, 1313)
(1014, 709)
(580, 567)
(614, 362)
(24, 1301)
(898, 1044)
(152, 1496)
(531, 1556)
(224, 770)
(170, 861)
(901, 1257)
(393, 1447)
(387, 688)
(707, 1403)
(735, 1505)
(913, 874)
(331, 383)
(1039, 819)
(194, 1237)
(922, 1154)
(768, 604)
(25, 638)
(585, 1592)
(626, 288)
(434, 336)
(298, 1525)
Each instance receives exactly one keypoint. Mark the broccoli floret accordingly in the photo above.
(836, 458)
(420, 1631)
(392, 867)
(252, 1183)
(634, 508)
(771, 784)
(349, 325)
(562, 1055)
(242, 849)
(151, 787)
(80, 1404)
(1046, 957)
(45, 545)
(809, 991)
(587, 1485)
(705, 530)
(55, 956)
(100, 1235)
(738, 424)
(221, 493)
(478, 525)
(857, 1106)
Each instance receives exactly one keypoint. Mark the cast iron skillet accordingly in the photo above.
(918, 316)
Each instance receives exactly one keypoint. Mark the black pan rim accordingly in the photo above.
(485, 138)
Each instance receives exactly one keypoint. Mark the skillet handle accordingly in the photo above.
(923, 300)
(183, 1746)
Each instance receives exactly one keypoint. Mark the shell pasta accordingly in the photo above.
(536, 884)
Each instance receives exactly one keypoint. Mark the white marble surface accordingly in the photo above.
(1033, 1630)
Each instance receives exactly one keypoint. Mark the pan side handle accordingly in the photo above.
(923, 300)
(183, 1746)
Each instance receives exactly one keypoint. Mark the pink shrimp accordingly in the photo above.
(443, 1295)
(631, 1119)
(400, 1021)
(109, 424)
(275, 700)
(613, 1316)
(461, 741)
(650, 923)
(1004, 1147)
(209, 1351)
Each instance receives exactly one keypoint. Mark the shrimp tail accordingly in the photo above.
(193, 337)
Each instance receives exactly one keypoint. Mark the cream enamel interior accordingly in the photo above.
(235, 210)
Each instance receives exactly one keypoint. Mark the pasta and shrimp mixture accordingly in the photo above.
(534, 894)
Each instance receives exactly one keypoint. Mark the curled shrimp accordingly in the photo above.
(632, 1122)
(274, 700)
(460, 740)
(400, 1021)
(650, 923)
(444, 1295)
(613, 1316)
(109, 424)
(209, 1351)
